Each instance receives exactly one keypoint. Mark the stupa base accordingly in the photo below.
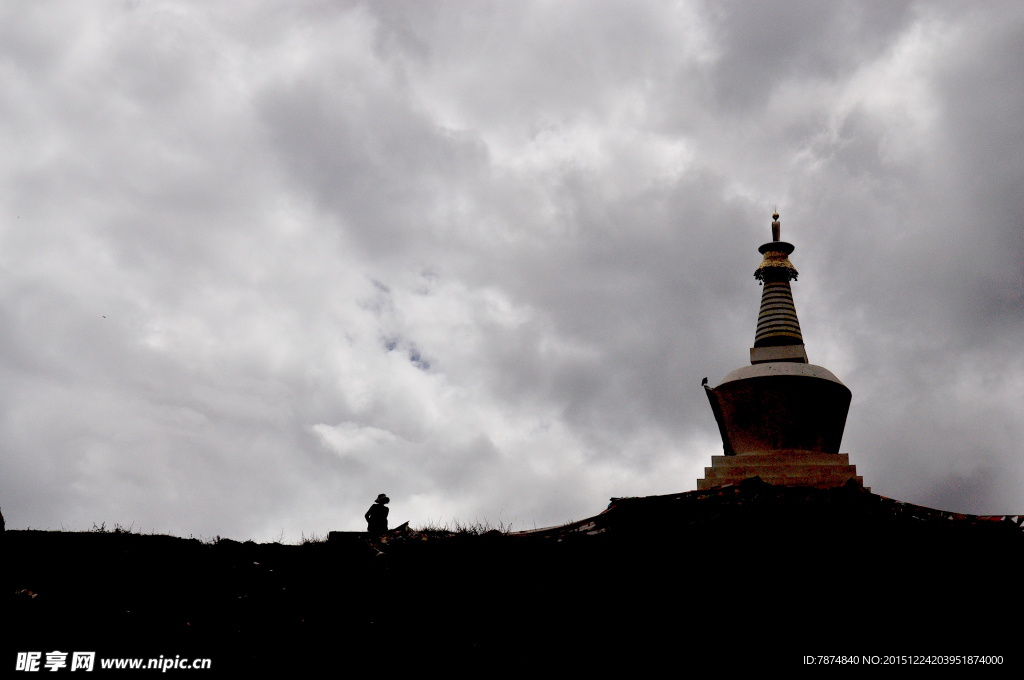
(782, 468)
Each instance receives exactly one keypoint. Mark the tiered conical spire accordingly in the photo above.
(777, 323)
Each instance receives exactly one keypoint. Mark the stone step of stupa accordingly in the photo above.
(815, 482)
(826, 480)
(785, 468)
(788, 457)
(745, 471)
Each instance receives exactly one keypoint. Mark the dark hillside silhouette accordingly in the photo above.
(748, 574)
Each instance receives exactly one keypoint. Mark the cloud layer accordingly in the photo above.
(259, 264)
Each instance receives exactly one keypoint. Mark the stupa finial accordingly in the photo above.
(776, 265)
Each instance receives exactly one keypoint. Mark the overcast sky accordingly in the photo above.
(261, 261)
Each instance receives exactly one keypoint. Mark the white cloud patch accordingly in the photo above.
(351, 440)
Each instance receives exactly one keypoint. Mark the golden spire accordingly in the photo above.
(776, 265)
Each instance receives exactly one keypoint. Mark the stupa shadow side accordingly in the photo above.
(781, 418)
(772, 407)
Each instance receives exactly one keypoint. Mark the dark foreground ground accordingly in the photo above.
(745, 576)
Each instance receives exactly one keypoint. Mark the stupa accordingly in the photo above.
(781, 418)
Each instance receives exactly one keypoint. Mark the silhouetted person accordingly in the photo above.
(377, 516)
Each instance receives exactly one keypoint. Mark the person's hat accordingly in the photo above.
(382, 498)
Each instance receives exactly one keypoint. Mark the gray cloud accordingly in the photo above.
(257, 267)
